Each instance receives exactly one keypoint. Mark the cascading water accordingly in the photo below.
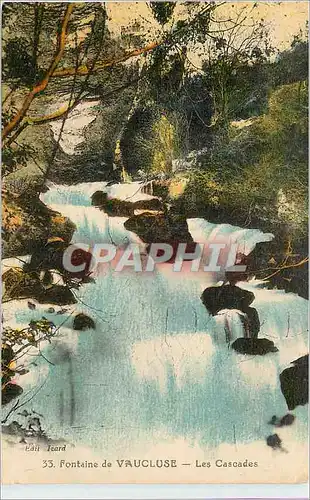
(157, 361)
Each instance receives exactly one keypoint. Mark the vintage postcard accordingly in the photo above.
(154, 242)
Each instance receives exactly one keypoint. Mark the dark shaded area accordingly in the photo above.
(50, 257)
(190, 248)
(83, 322)
(7, 355)
(294, 383)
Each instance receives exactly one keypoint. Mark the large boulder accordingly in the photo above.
(28, 224)
(295, 383)
(50, 256)
(58, 294)
(9, 392)
(283, 261)
(216, 298)
(124, 208)
(159, 228)
(113, 207)
(162, 228)
(254, 346)
(83, 322)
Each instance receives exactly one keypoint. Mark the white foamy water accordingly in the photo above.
(156, 359)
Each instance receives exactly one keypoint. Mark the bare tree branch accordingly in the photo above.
(84, 70)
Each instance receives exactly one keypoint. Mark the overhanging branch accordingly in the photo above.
(15, 121)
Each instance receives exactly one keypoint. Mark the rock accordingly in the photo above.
(28, 224)
(274, 420)
(58, 294)
(83, 322)
(286, 247)
(50, 256)
(159, 228)
(79, 257)
(294, 383)
(99, 198)
(254, 346)
(162, 228)
(251, 323)
(50, 310)
(20, 284)
(124, 208)
(216, 298)
(7, 354)
(62, 311)
(288, 419)
(151, 204)
(10, 392)
(47, 256)
(274, 441)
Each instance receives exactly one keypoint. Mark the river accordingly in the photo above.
(157, 366)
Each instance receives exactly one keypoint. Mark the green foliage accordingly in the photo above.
(162, 11)
(258, 172)
(12, 159)
(35, 332)
(18, 63)
(17, 340)
(163, 146)
(137, 140)
(292, 64)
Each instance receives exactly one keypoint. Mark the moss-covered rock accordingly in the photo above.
(27, 224)
(123, 208)
(159, 228)
(19, 284)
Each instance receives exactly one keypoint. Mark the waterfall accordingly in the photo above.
(156, 359)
